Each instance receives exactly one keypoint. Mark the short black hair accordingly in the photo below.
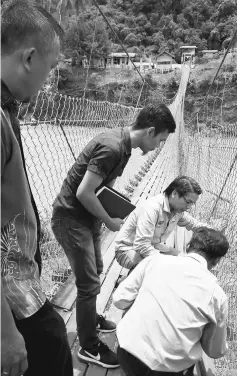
(209, 241)
(158, 116)
(24, 21)
(183, 184)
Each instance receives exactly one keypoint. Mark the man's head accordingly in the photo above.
(210, 244)
(182, 193)
(30, 41)
(153, 125)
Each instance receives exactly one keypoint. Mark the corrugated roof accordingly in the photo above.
(210, 51)
(165, 52)
(122, 54)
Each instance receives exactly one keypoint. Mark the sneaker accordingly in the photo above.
(100, 355)
(105, 326)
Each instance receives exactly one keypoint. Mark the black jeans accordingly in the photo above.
(134, 367)
(81, 243)
(46, 343)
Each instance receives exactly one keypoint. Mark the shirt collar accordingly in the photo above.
(7, 99)
(166, 204)
(127, 141)
(198, 258)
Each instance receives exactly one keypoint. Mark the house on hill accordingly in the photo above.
(94, 62)
(164, 61)
(120, 60)
(209, 53)
(188, 54)
(113, 60)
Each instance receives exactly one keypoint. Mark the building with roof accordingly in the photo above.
(188, 54)
(209, 53)
(113, 60)
(120, 60)
(164, 60)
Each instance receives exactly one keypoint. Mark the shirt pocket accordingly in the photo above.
(170, 228)
(159, 230)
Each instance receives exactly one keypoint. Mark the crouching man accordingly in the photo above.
(148, 227)
(176, 310)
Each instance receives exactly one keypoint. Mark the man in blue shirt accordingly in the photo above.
(77, 216)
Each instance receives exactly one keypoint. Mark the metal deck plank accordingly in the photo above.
(94, 370)
(115, 372)
(79, 368)
(108, 286)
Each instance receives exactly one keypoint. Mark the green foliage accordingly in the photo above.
(88, 37)
(154, 25)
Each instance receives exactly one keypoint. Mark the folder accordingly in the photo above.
(115, 204)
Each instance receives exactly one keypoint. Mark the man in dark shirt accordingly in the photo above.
(77, 216)
(33, 334)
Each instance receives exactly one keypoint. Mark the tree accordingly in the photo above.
(227, 8)
(131, 39)
(88, 37)
(214, 42)
(226, 43)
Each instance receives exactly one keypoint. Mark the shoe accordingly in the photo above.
(105, 326)
(100, 355)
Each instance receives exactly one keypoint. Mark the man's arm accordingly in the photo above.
(111, 183)
(213, 339)
(190, 223)
(128, 289)
(86, 195)
(13, 351)
(166, 249)
(146, 223)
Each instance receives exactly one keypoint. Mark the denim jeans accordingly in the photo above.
(81, 244)
(135, 367)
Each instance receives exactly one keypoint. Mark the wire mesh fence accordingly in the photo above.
(208, 153)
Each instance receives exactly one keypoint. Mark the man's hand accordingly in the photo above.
(114, 224)
(13, 354)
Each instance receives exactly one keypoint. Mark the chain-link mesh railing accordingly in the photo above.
(208, 153)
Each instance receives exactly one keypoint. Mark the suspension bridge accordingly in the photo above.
(208, 154)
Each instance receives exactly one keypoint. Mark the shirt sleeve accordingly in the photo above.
(186, 220)
(128, 290)
(213, 339)
(3, 156)
(145, 229)
(4, 148)
(104, 159)
(163, 248)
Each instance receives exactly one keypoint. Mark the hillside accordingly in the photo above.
(147, 27)
(223, 93)
(126, 87)
(144, 26)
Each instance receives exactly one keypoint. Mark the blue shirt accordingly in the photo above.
(106, 155)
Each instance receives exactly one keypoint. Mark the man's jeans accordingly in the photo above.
(81, 243)
(134, 367)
